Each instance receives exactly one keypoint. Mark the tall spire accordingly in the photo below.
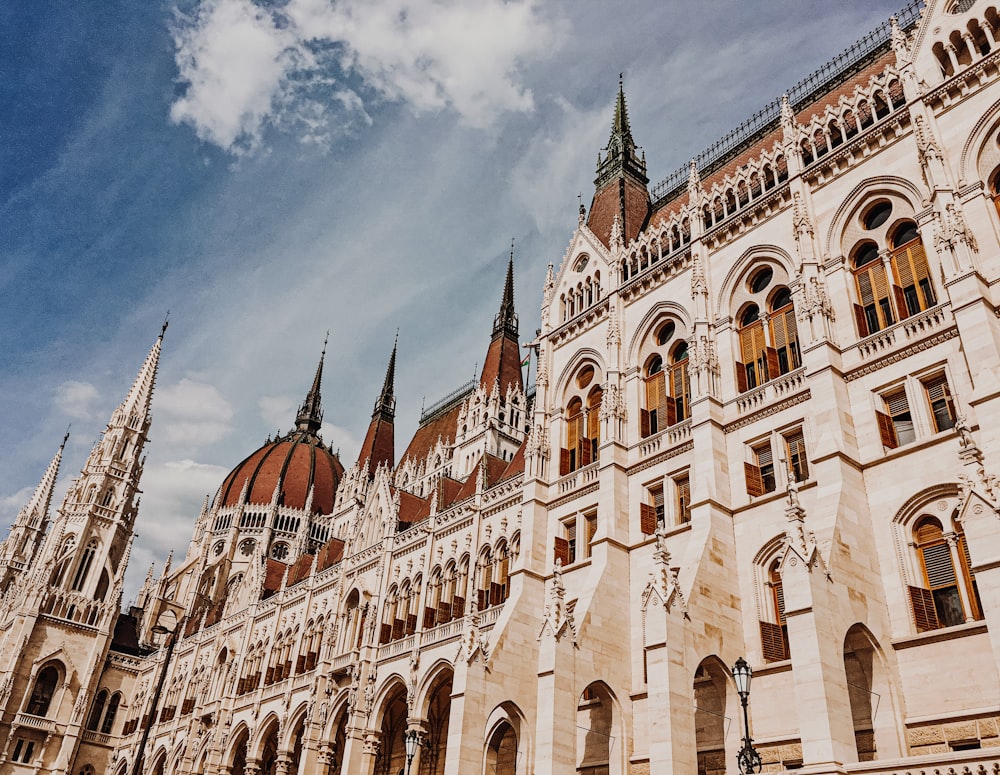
(35, 512)
(506, 320)
(135, 408)
(386, 403)
(310, 417)
(621, 152)
(621, 185)
(379, 446)
(503, 358)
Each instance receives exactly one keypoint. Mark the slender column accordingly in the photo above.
(953, 56)
(957, 563)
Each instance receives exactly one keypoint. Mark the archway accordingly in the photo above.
(715, 709)
(433, 755)
(238, 753)
(501, 751)
(338, 741)
(872, 707)
(269, 749)
(391, 758)
(598, 743)
(295, 746)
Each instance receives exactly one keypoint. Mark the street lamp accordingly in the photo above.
(412, 742)
(747, 759)
(157, 629)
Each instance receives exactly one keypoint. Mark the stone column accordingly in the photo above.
(282, 764)
(369, 754)
(252, 767)
(670, 692)
(555, 731)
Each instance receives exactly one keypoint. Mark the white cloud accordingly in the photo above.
(245, 66)
(77, 399)
(278, 411)
(192, 413)
(11, 504)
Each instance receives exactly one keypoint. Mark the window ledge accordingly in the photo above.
(771, 668)
(942, 634)
(671, 531)
(917, 444)
(776, 494)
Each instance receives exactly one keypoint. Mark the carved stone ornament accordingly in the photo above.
(557, 619)
(815, 301)
(617, 239)
(538, 442)
(694, 183)
(787, 118)
(612, 406)
(702, 356)
(799, 541)
(614, 332)
(800, 217)
(550, 285)
(900, 44)
(926, 145)
(699, 285)
(665, 577)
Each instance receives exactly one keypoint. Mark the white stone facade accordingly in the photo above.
(765, 424)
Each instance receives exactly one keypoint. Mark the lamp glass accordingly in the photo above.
(742, 675)
(411, 743)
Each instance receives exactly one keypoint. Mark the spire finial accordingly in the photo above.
(506, 319)
(386, 403)
(310, 417)
(65, 436)
(166, 322)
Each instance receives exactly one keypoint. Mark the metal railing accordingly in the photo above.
(849, 61)
(438, 406)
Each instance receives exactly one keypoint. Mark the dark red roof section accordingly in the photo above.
(516, 465)
(298, 461)
(607, 203)
(273, 576)
(301, 569)
(126, 637)
(379, 444)
(427, 435)
(330, 554)
(495, 467)
(502, 364)
(448, 490)
(411, 507)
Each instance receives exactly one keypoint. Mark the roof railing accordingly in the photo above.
(846, 63)
(439, 406)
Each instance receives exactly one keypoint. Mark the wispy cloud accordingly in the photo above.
(245, 66)
(77, 399)
(192, 413)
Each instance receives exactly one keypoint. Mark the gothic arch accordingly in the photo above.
(773, 255)
(235, 758)
(338, 714)
(269, 724)
(580, 357)
(657, 313)
(601, 732)
(158, 762)
(383, 697)
(888, 185)
(872, 687)
(292, 723)
(441, 670)
(973, 158)
(506, 715)
(919, 500)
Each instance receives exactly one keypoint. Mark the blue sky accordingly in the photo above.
(269, 171)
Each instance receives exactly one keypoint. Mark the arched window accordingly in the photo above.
(949, 595)
(388, 616)
(109, 717)
(910, 264)
(668, 389)
(751, 371)
(45, 687)
(97, 711)
(784, 333)
(84, 567)
(773, 629)
(874, 312)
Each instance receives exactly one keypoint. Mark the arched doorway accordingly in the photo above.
(338, 742)
(432, 757)
(501, 751)
(391, 758)
(295, 746)
(238, 755)
(598, 743)
(269, 749)
(714, 711)
(873, 715)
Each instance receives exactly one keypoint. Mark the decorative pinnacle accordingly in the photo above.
(386, 403)
(166, 322)
(310, 417)
(506, 319)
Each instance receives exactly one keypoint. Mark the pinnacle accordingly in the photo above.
(310, 417)
(506, 320)
(37, 509)
(386, 402)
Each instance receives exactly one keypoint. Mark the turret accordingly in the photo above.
(503, 358)
(379, 444)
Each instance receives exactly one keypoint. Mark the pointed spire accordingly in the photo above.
(621, 153)
(134, 410)
(506, 320)
(386, 403)
(310, 417)
(35, 511)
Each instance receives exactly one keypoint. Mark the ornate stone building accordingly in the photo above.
(764, 424)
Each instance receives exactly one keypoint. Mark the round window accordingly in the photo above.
(876, 215)
(585, 377)
(217, 549)
(761, 279)
(247, 547)
(665, 334)
(581, 264)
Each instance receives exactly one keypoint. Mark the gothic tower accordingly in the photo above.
(56, 630)
(621, 183)
(378, 447)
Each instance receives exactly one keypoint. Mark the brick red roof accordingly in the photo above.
(330, 554)
(607, 203)
(426, 435)
(273, 575)
(411, 507)
(447, 490)
(379, 444)
(502, 364)
(516, 465)
(297, 461)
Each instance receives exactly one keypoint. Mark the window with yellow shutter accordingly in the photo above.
(940, 401)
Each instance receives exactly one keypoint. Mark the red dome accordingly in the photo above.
(297, 461)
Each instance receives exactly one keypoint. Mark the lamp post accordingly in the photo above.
(412, 741)
(158, 629)
(747, 759)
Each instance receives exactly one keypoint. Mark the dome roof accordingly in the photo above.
(293, 464)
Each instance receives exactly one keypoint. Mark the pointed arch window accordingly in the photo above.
(909, 261)
(44, 689)
(774, 630)
(874, 310)
(97, 711)
(667, 385)
(752, 370)
(949, 595)
(83, 569)
(784, 332)
(679, 386)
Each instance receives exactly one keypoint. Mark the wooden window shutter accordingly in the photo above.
(300, 664)
(755, 482)
(886, 430)
(970, 577)
(779, 334)
(902, 310)
(937, 388)
(647, 519)
(862, 322)
(411, 624)
(741, 377)
(457, 607)
(644, 423)
(924, 613)
(429, 614)
(684, 499)
(938, 565)
(563, 462)
(797, 454)
(773, 365)
(386, 633)
(669, 411)
(561, 550)
(585, 452)
(772, 641)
